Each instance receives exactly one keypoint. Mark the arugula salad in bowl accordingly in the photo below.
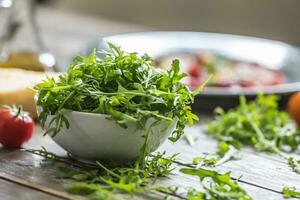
(118, 108)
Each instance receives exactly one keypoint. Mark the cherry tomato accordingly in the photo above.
(16, 127)
(294, 107)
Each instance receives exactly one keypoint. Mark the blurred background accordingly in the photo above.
(43, 35)
(86, 20)
(274, 19)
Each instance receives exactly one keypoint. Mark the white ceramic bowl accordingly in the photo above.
(93, 137)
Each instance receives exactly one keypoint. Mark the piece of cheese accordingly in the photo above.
(16, 87)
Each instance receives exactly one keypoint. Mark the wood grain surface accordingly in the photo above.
(262, 175)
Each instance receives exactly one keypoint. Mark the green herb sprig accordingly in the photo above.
(216, 186)
(131, 179)
(98, 181)
(289, 192)
(225, 153)
(258, 124)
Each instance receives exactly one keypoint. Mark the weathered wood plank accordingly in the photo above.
(31, 167)
(11, 191)
(260, 174)
(45, 175)
(184, 181)
(4, 151)
(37, 187)
(262, 171)
(39, 140)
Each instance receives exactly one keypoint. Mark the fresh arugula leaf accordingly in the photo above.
(223, 148)
(93, 192)
(193, 194)
(106, 182)
(294, 164)
(98, 181)
(217, 186)
(204, 161)
(289, 192)
(259, 124)
(160, 165)
(225, 153)
(131, 179)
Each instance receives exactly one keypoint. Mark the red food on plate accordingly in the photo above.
(16, 127)
(195, 71)
(294, 107)
(227, 73)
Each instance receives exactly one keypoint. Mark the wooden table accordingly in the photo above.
(24, 175)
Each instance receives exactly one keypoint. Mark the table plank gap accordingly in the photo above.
(254, 168)
(12, 191)
(38, 187)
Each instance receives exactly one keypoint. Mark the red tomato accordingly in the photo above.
(16, 127)
(294, 107)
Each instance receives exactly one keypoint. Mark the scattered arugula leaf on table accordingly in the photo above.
(98, 181)
(259, 124)
(204, 161)
(94, 192)
(289, 192)
(216, 186)
(225, 153)
(294, 164)
(130, 179)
